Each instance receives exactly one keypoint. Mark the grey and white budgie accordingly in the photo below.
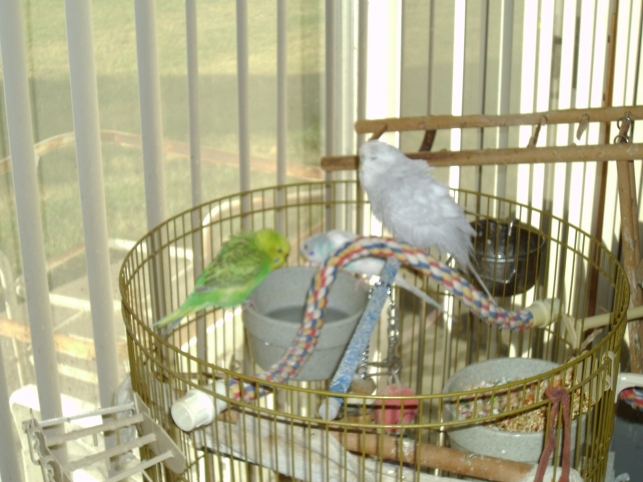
(414, 206)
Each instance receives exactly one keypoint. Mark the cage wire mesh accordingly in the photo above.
(280, 436)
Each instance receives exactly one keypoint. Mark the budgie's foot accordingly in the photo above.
(250, 303)
(431, 318)
(235, 365)
(360, 281)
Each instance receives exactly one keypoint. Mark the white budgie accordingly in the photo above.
(413, 205)
(320, 246)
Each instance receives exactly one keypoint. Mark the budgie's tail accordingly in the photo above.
(466, 266)
(402, 283)
(175, 317)
(481, 283)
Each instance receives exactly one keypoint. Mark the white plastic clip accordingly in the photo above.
(608, 379)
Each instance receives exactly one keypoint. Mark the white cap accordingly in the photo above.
(329, 408)
(197, 408)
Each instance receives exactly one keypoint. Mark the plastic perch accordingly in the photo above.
(545, 312)
(197, 408)
(329, 408)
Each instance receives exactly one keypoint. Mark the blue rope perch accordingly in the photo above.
(340, 383)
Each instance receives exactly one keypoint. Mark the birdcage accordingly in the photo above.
(524, 255)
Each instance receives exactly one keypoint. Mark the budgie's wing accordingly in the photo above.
(339, 237)
(227, 281)
(369, 266)
(233, 274)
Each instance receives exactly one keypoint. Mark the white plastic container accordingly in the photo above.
(197, 408)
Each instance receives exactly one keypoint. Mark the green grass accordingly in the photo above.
(117, 80)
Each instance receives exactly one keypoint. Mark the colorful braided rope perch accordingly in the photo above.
(306, 338)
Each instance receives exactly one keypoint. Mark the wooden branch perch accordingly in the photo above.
(427, 455)
(630, 239)
(600, 114)
(519, 155)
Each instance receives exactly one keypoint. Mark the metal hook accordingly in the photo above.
(534, 137)
(623, 124)
(626, 118)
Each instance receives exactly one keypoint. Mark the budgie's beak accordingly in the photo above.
(305, 259)
(281, 260)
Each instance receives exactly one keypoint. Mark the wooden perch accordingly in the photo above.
(427, 455)
(630, 240)
(600, 114)
(483, 157)
(406, 451)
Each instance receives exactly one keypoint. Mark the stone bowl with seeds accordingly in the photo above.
(518, 436)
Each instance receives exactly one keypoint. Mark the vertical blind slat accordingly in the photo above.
(244, 116)
(195, 154)
(282, 108)
(504, 86)
(193, 99)
(242, 86)
(84, 93)
(27, 199)
(149, 91)
(330, 78)
(431, 59)
(362, 64)
(282, 92)
(457, 93)
(10, 456)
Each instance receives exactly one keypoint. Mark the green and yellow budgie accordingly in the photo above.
(242, 264)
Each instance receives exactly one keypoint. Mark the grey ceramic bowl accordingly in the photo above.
(279, 304)
(485, 440)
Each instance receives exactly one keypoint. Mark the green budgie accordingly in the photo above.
(241, 265)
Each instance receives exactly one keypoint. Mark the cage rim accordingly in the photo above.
(329, 183)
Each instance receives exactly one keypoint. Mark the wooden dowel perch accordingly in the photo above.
(630, 241)
(600, 114)
(482, 157)
(427, 455)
